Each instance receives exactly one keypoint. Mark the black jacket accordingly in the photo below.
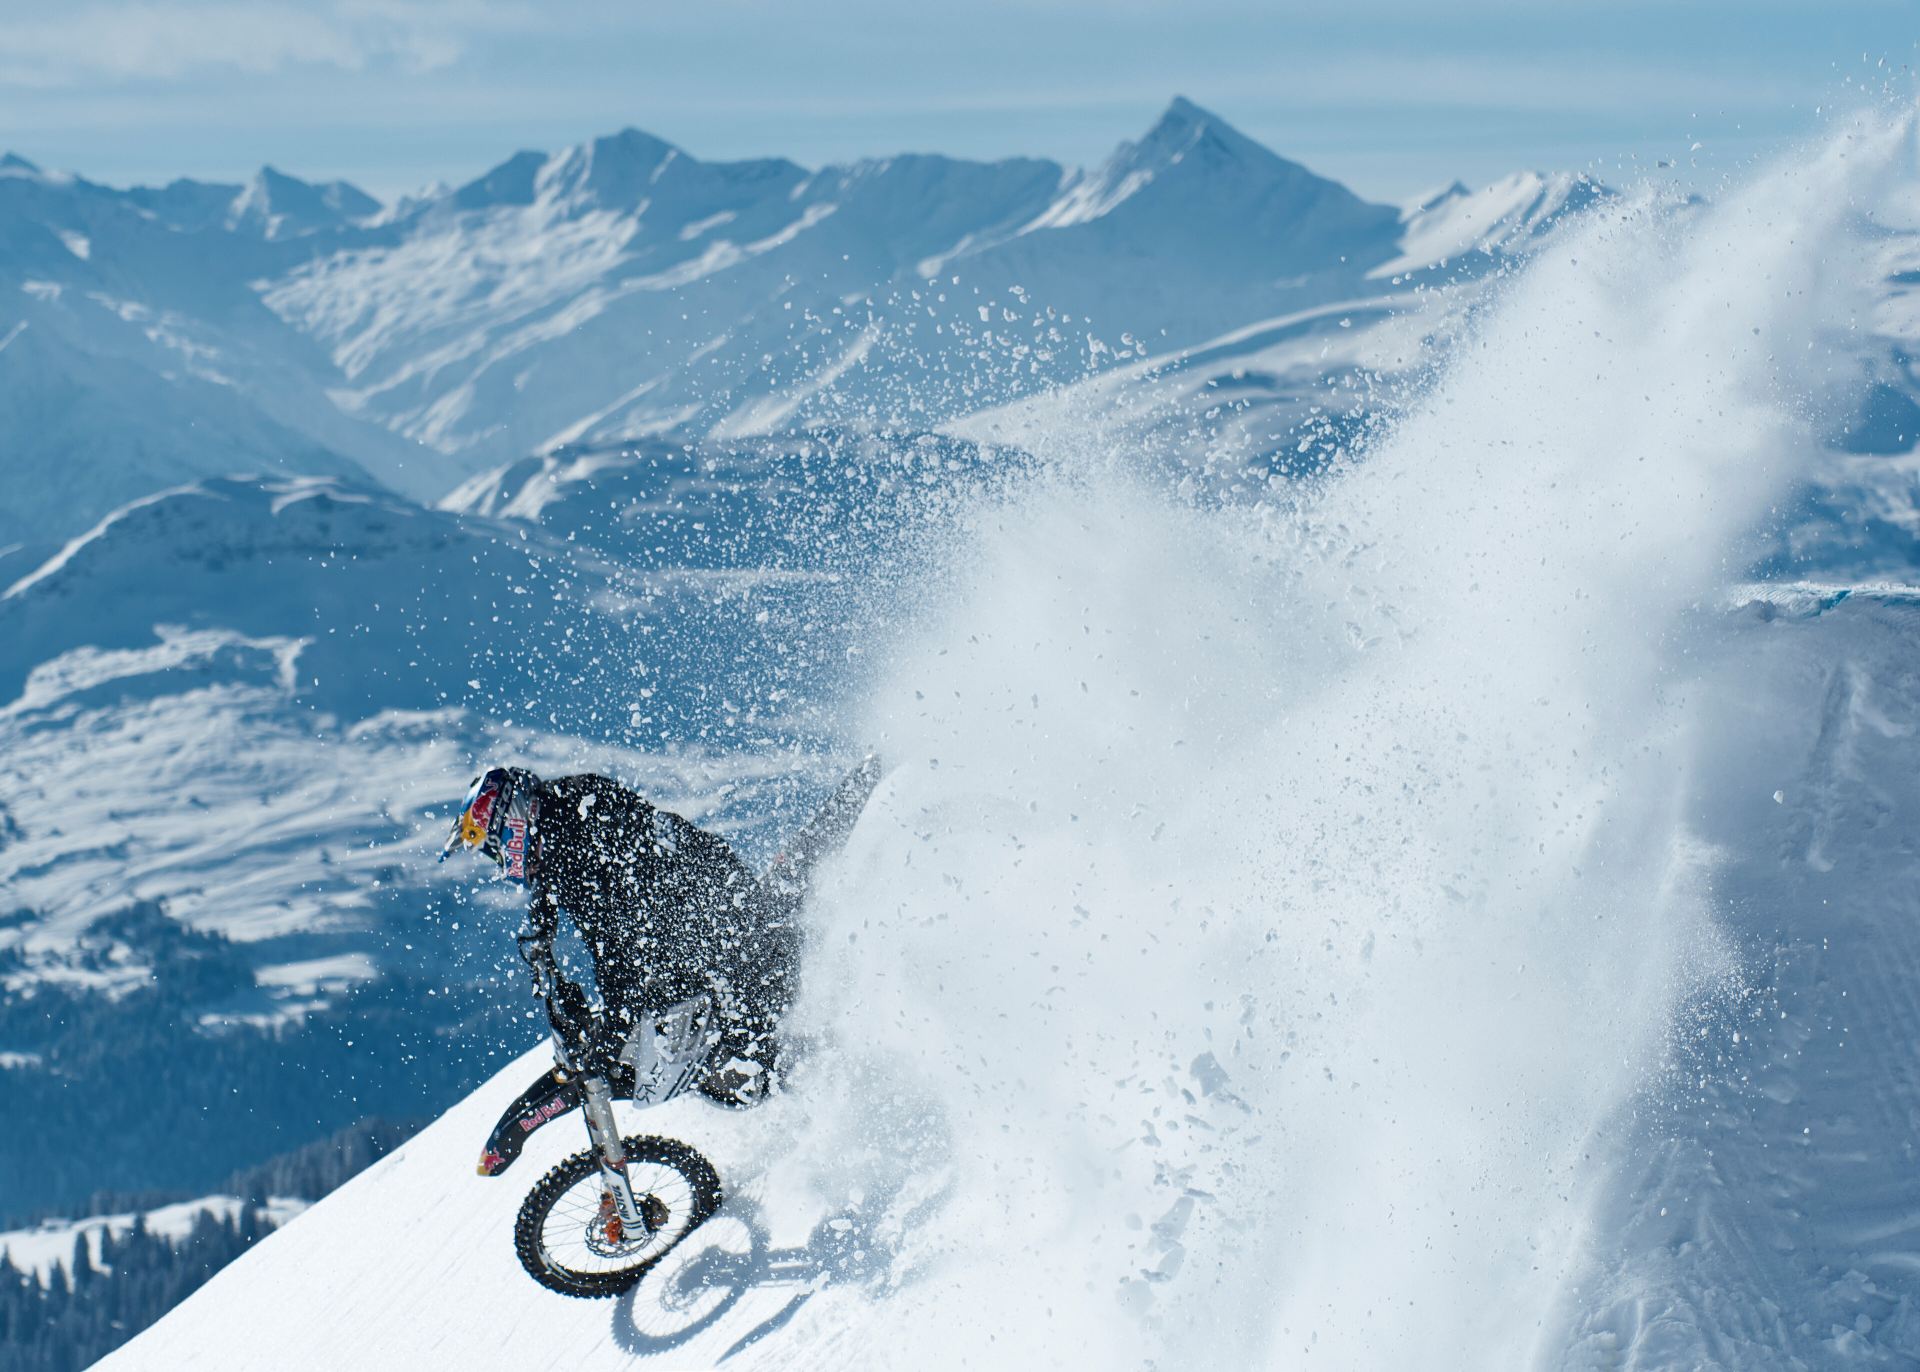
(666, 908)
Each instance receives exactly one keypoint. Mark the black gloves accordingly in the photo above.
(569, 1013)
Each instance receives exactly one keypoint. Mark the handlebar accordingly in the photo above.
(537, 953)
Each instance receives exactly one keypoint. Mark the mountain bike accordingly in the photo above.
(602, 1218)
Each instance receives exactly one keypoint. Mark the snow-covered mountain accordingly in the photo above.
(1409, 876)
(280, 206)
(135, 353)
(1447, 877)
(623, 288)
(1507, 216)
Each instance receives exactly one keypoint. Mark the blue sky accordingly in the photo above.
(1389, 95)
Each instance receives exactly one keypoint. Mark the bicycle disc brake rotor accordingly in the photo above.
(608, 1236)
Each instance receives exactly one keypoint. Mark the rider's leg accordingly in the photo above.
(745, 1064)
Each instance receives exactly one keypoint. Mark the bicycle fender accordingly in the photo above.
(550, 1097)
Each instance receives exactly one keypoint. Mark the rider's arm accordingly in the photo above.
(561, 993)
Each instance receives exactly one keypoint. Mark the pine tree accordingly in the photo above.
(92, 1304)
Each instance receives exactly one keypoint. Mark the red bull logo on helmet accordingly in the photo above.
(475, 821)
(499, 818)
(515, 849)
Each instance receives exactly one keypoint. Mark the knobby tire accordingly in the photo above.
(645, 1153)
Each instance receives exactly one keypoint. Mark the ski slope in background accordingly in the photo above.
(1426, 925)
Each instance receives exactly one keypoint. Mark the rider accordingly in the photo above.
(667, 910)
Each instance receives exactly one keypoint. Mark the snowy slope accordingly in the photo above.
(1758, 1216)
(790, 1266)
(1763, 1213)
(1275, 399)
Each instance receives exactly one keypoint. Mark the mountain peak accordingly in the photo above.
(187, 204)
(15, 167)
(1430, 200)
(631, 144)
(1182, 114)
(283, 206)
(1193, 175)
(616, 171)
(1185, 124)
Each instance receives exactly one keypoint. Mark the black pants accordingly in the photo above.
(752, 996)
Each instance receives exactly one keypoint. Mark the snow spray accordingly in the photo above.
(1271, 910)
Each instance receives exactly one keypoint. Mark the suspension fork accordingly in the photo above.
(611, 1152)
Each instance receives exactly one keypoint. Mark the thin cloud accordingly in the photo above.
(89, 44)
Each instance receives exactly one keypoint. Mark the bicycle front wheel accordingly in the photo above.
(570, 1239)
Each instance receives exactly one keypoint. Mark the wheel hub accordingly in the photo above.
(609, 1236)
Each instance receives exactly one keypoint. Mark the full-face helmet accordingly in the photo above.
(501, 818)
